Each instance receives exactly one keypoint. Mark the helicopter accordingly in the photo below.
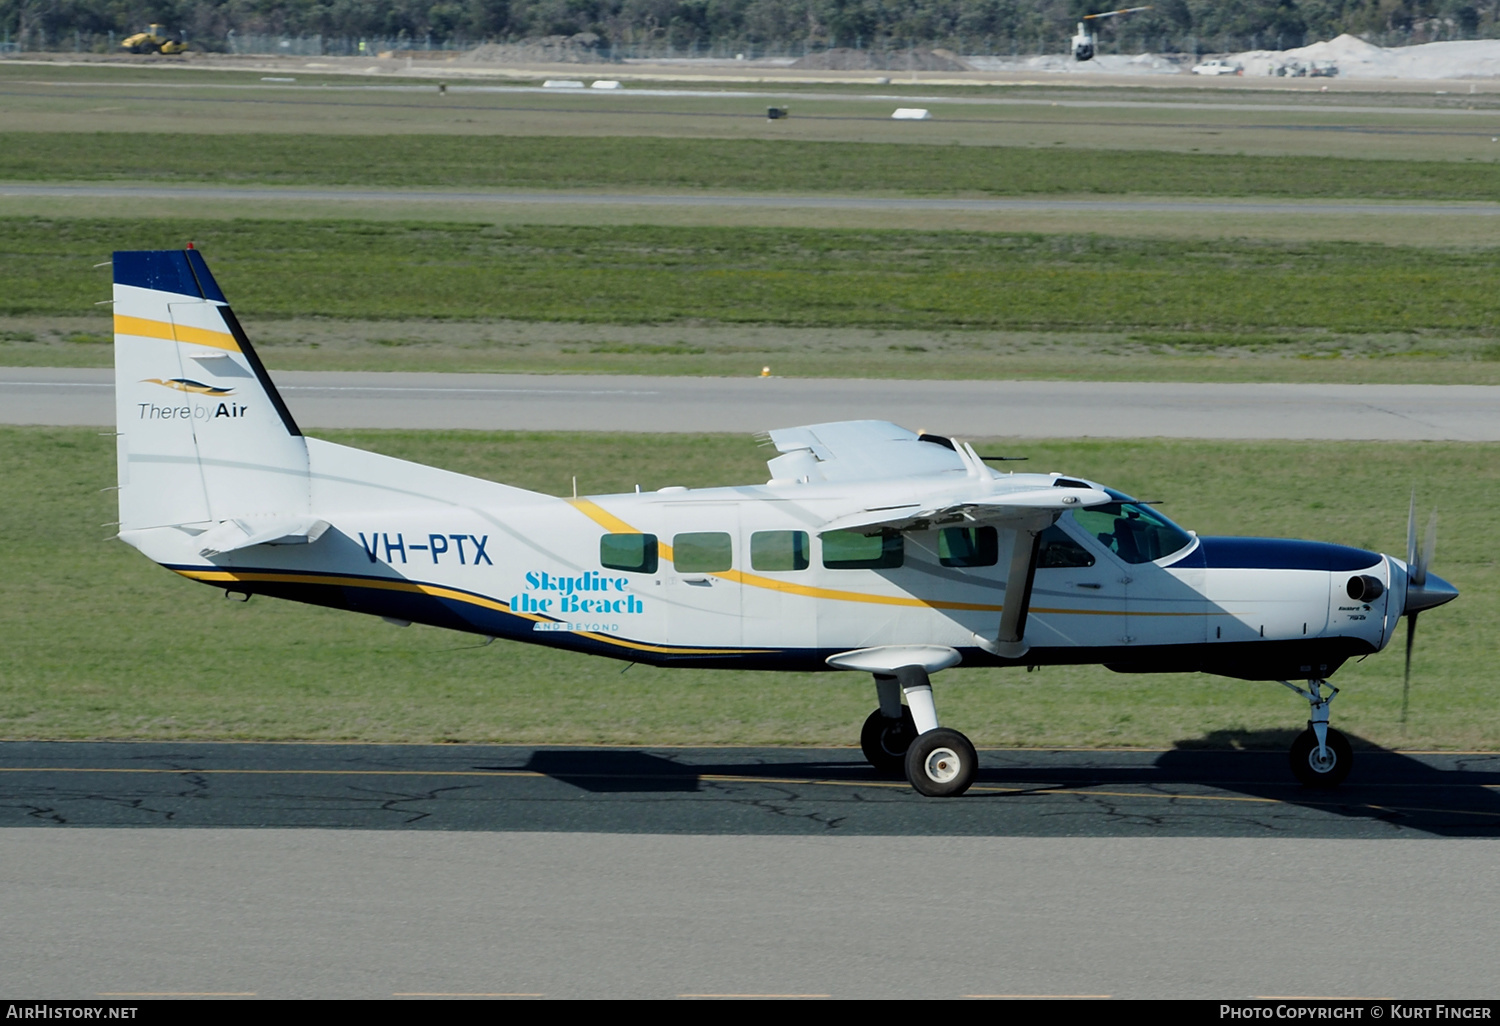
(1086, 43)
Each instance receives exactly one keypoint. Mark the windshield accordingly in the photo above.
(1137, 534)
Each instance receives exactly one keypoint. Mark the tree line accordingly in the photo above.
(967, 26)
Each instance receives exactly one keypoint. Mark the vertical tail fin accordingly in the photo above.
(204, 437)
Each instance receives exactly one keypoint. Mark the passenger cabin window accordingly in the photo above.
(779, 550)
(1059, 550)
(635, 553)
(702, 552)
(850, 550)
(968, 546)
(1137, 534)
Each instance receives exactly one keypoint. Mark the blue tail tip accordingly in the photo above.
(180, 271)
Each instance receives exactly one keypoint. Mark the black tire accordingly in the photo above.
(1305, 765)
(941, 763)
(885, 741)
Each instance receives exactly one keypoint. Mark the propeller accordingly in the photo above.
(1420, 595)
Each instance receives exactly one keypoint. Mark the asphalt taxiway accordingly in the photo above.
(741, 791)
(499, 198)
(976, 409)
(376, 871)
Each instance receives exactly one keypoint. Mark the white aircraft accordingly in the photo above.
(1085, 43)
(870, 549)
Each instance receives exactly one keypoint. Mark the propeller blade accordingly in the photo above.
(1411, 534)
(1429, 550)
(1411, 637)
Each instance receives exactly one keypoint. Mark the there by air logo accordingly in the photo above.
(588, 592)
(467, 549)
(150, 411)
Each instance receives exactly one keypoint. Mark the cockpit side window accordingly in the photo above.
(1135, 533)
(1058, 549)
(968, 546)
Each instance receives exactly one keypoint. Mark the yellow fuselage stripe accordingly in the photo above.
(147, 328)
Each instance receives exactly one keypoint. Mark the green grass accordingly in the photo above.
(100, 643)
(709, 350)
(739, 165)
(782, 276)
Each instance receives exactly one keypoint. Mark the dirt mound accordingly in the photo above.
(1352, 57)
(848, 59)
(583, 48)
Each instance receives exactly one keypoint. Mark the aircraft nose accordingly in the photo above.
(1433, 593)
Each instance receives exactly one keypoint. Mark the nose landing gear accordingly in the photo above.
(1320, 756)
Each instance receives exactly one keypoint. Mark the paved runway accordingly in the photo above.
(721, 200)
(974, 409)
(221, 868)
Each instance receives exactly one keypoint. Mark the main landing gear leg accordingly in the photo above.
(889, 730)
(1320, 756)
(940, 763)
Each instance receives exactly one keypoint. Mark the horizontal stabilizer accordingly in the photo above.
(244, 532)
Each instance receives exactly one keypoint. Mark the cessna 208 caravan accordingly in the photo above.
(870, 549)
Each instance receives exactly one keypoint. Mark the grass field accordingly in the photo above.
(1182, 116)
(713, 301)
(647, 274)
(1334, 295)
(740, 350)
(734, 165)
(100, 643)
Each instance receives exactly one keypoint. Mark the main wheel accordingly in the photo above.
(885, 741)
(1328, 771)
(941, 763)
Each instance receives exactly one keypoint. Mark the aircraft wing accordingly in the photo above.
(860, 450)
(1031, 508)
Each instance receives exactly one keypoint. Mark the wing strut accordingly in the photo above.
(1023, 557)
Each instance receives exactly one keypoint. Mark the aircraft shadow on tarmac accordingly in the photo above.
(1455, 795)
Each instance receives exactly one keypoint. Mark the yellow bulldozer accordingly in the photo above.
(154, 40)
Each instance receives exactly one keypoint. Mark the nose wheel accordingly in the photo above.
(1321, 768)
